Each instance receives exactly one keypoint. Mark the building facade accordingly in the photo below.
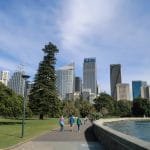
(90, 75)
(78, 84)
(136, 88)
(115, 78)
(17, 83)
(65, 81)
(145, 92)
(4, 77)
(123, 91)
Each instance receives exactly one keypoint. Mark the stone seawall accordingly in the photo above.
(115, 140)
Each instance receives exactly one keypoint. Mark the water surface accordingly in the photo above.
(139, 129)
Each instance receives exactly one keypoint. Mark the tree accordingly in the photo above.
(104, 104)
(141, 107)
(10, 103)
(124, 108)
(86, 108)
(43, 96)
(69, 108)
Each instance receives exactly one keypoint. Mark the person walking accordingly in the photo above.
(79, 123)
(61, 122)
(71, 122)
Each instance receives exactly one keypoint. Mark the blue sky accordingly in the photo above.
(113, 31)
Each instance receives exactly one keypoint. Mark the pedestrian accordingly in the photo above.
(85, 120)
(71, 122)
(61, 122)
(79, 123)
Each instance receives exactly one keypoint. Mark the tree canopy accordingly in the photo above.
(10, 103)
(141, 107)
(43, 96)
(104, 104)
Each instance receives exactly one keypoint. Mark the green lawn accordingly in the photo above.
(10, 130)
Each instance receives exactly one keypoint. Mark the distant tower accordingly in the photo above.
(145, 92)
(65, 81)
(115, 78)
(136, 88)
(17, 83)
(78, 84)
(4, 77)
(123, 91)
(90, 75)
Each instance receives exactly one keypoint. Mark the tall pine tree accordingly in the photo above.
(43, 96)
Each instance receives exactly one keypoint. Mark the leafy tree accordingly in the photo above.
(86, 108)
(104, 104)
(141, 107)
(10, 103)
(69, 108)
(43, 97)
(124, 108)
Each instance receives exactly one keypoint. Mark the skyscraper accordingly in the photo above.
(145, 92)
(136, 88)
(90, 75)
(4, 77)
(65, 80)
(115, 78)
(17, 83)
(78, 84)
(123, 91)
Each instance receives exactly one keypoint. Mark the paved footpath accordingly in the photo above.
(66, 140)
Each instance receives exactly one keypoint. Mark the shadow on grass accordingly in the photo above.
(9, 123)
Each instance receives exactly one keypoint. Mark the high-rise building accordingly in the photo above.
(90, 75)
(78, 84)
(98, 89)
(136, 88)
(65, 81)
(4, 77)
(123, 91)
(115, 78)
(17, 83)
(145, 92)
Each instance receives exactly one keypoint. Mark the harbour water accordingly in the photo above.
(139, 129)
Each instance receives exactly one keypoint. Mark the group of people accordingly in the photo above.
(71, 122)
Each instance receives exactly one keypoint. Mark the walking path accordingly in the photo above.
(66, 140)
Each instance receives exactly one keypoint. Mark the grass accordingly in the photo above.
(10, 130)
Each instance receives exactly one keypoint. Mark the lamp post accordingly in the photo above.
(25, 77)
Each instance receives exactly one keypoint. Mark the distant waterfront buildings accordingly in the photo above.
(78, 84)
(136, 88)
(123, 91)
(145, 92)
(17, 83)
(4, 77)
(90, 75)
(115, 78)
(65, 81)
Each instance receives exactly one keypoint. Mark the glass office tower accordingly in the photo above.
(136, 88)
(89, 75)
(115, 78)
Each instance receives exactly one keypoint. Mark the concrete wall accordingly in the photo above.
(115, 140)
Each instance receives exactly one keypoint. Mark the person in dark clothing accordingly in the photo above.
(79, 123)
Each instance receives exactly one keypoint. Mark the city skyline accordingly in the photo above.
(118, 34)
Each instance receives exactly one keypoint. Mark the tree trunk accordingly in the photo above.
(41, 116)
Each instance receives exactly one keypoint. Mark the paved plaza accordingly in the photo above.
(66, 140)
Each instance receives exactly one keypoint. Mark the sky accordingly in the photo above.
(113, 31)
